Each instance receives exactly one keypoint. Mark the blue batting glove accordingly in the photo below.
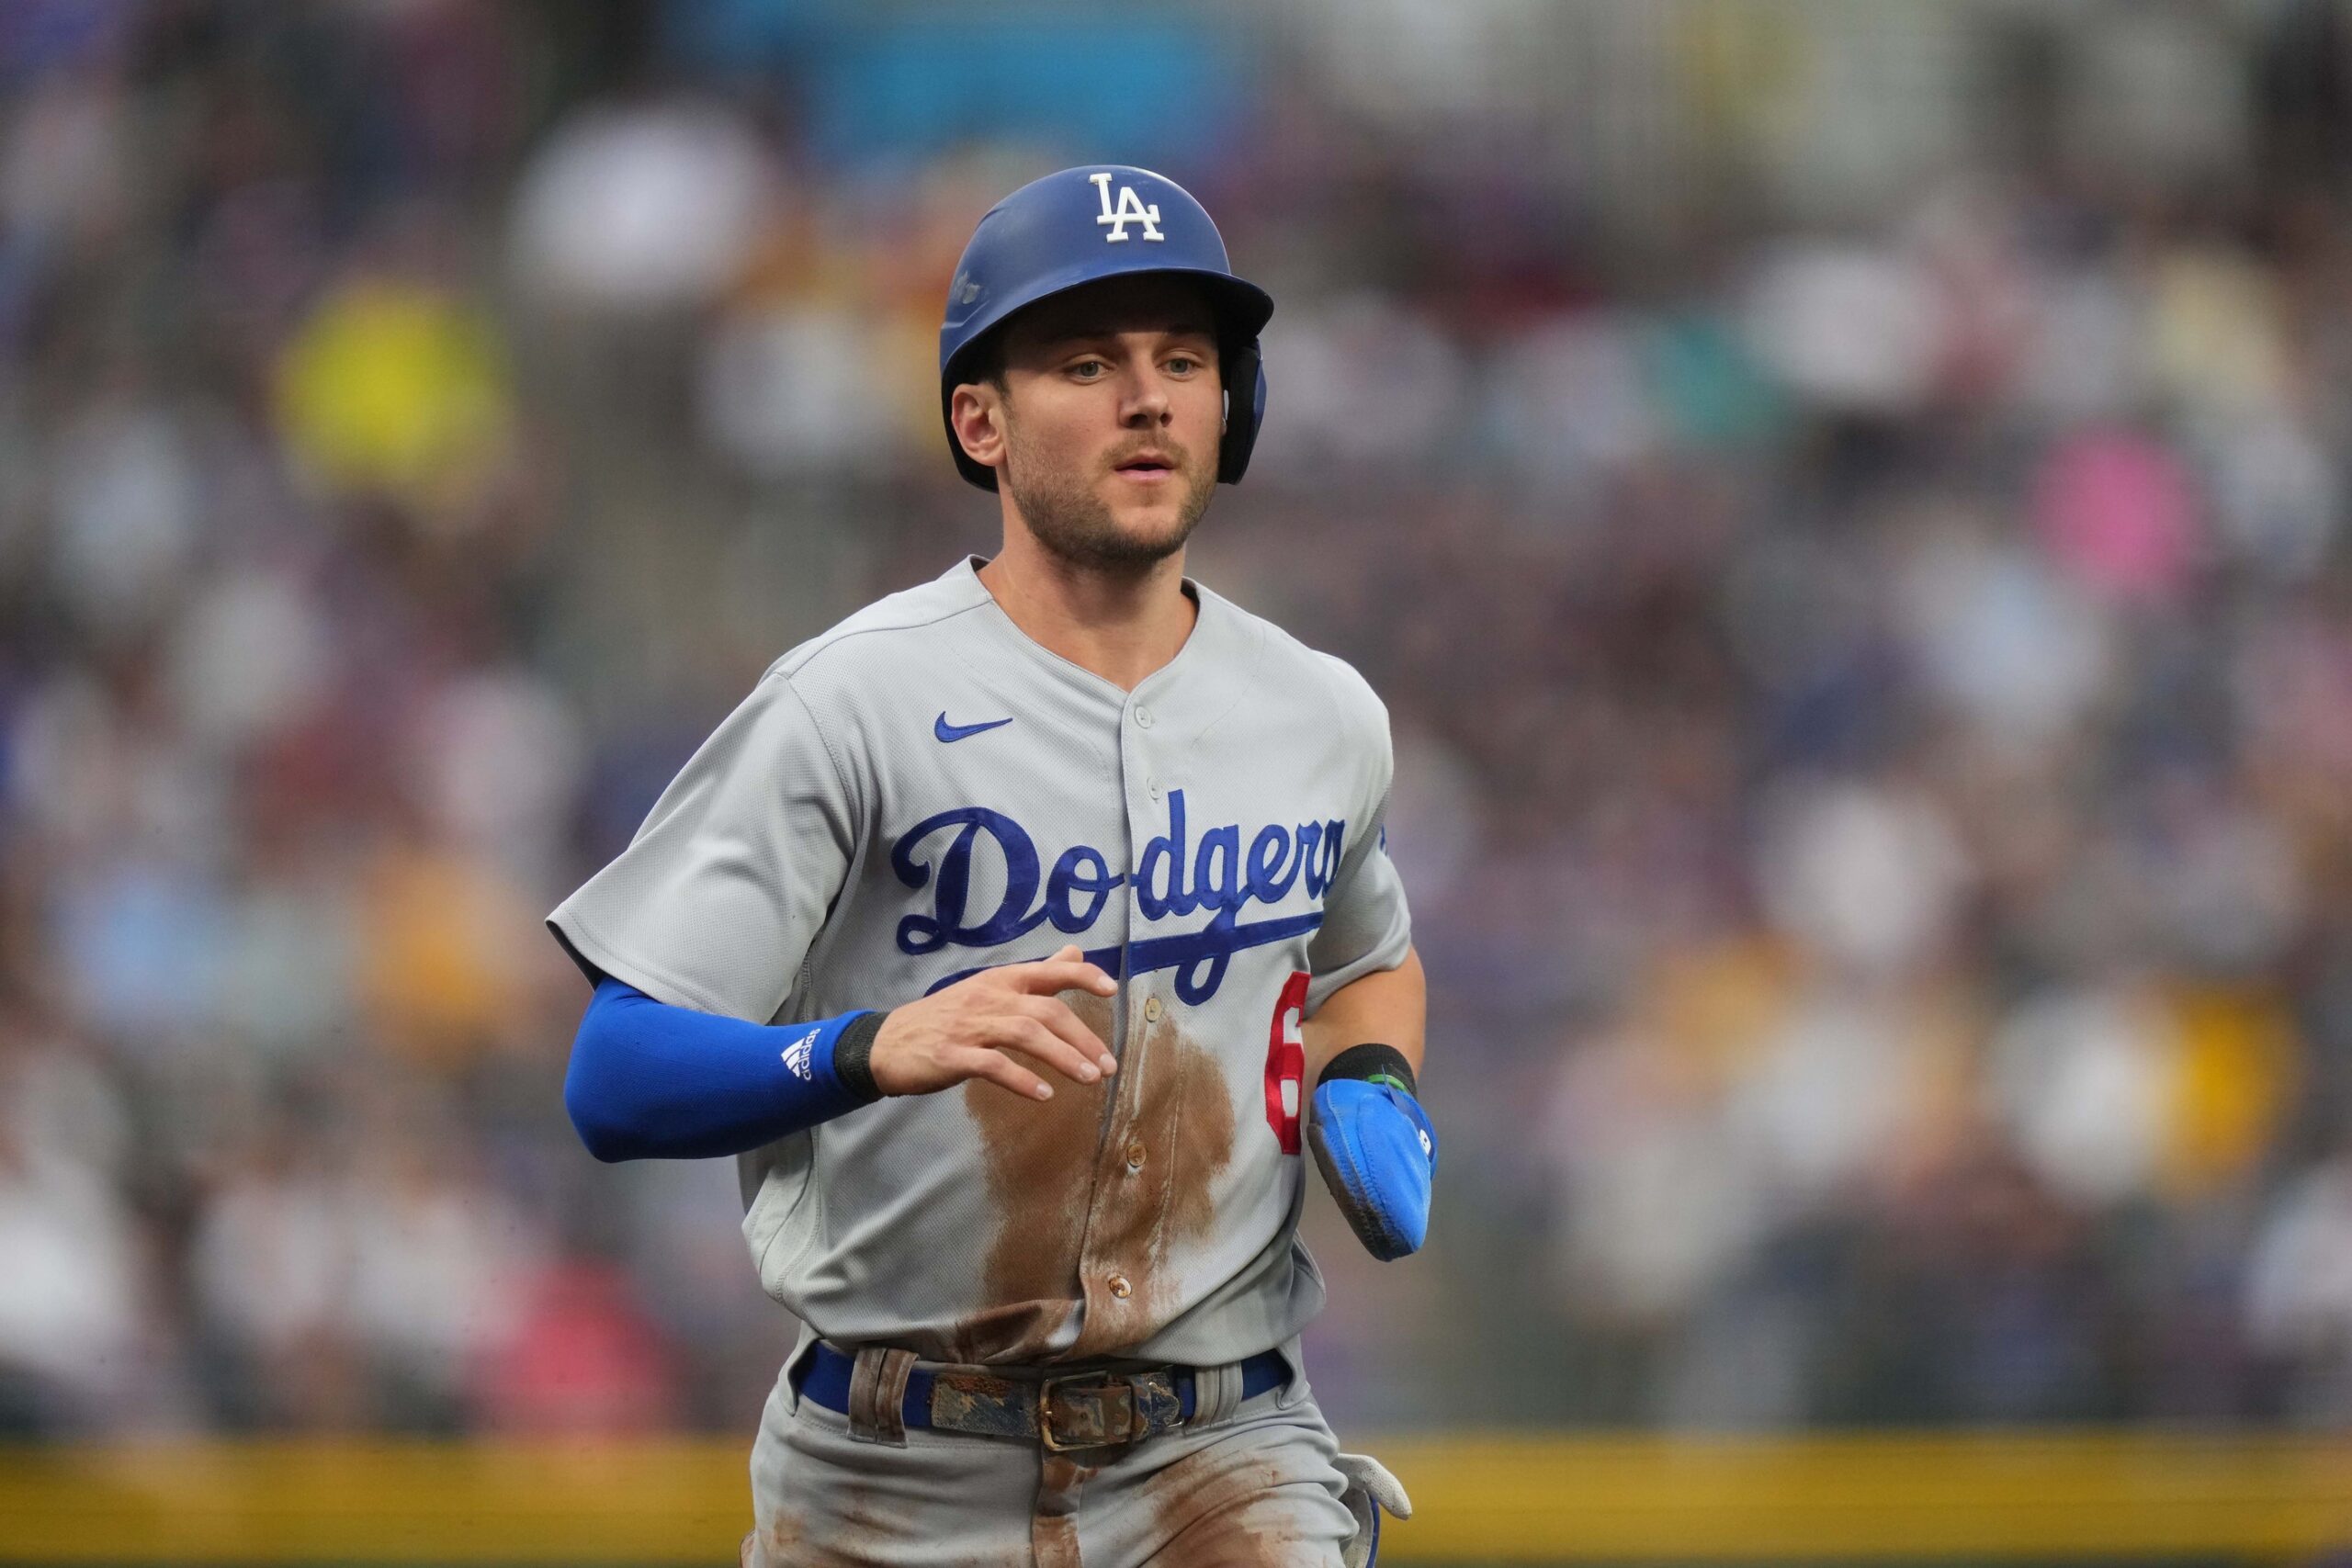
(1377, 1153)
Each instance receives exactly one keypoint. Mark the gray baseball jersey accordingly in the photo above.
(924, 792)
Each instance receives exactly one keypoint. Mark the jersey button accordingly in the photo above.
(1134, 1155)
(1152, 789)
(1143, 717)
(1120, 1287)
(1152, 1010)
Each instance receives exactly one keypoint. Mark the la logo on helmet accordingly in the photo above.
(1130, 209)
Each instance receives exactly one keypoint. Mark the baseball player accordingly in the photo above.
(1020, 934)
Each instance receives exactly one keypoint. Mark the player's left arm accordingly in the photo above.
(1387, 1005)
(1366, 1002)
(1371, 1140)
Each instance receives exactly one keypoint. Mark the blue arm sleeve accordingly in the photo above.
(1378, 1154)
(648, 1079)
(1375, 1148)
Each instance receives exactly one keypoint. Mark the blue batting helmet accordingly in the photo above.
(1088, 223)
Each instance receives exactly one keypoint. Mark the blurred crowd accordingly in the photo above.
(1870, 659)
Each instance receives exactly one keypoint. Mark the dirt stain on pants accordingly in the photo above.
(1259, 1487)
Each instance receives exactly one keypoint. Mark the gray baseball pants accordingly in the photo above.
(1244, 1483)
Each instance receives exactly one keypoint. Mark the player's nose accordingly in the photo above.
(1145, 400)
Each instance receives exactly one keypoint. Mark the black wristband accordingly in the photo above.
(1372, 1062)
(852, 1057)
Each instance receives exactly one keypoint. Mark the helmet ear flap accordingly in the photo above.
(1245, 375)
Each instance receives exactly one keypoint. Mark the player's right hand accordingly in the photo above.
(999, 1024)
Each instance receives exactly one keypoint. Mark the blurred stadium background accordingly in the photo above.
(1846, 503)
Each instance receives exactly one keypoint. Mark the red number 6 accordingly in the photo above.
(1286, 1061)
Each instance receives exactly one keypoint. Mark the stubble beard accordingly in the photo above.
(1074, 525)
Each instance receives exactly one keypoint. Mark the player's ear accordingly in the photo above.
(976, 412)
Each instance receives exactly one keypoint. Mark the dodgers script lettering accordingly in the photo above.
(1174, 877)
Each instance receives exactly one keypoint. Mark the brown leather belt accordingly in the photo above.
(1083, 1410)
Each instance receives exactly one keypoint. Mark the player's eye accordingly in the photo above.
(1183, 363)
(1088, 365)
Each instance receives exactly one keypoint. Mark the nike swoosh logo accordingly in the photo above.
(947, 732)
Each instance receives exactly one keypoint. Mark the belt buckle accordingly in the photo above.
(1100, 1409)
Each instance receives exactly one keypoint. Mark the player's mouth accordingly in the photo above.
(1148, 468)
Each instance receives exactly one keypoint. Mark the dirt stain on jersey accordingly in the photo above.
(1040, 1158)
(1044, 1161)
(1181, 1134)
